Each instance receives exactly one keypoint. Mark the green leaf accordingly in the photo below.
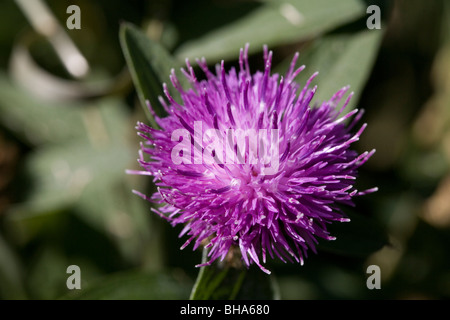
(150, 65)
(58, 178)
(341, 60)
(87, 176)
(274, 23)
(55, 175)
(361, 237)
(134, 285)
(219, 281)
(36, 121)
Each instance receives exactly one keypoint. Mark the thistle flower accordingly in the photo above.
(245, 161)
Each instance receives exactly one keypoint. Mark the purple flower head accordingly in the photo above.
(245, 161)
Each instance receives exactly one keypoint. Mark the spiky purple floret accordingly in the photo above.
(226, 205)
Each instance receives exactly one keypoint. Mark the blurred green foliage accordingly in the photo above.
(66, 141)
